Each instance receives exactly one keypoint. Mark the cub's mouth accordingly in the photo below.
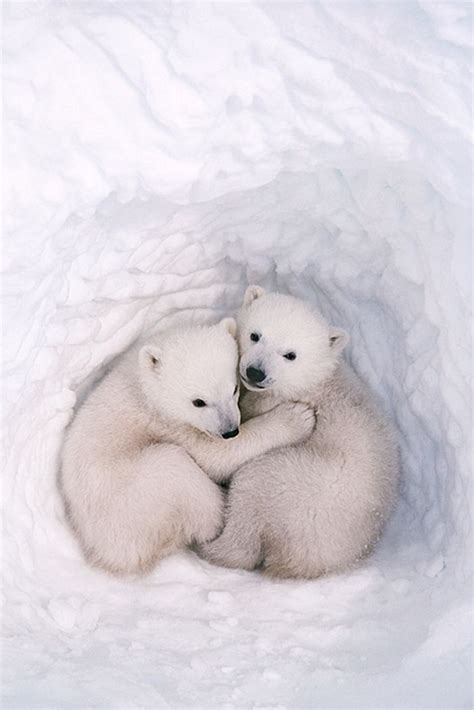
(253, 386)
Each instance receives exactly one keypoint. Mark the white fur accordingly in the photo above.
(133, 462)
(321, 505)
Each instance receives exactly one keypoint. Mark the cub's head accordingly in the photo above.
(191, 377)
(285, 346)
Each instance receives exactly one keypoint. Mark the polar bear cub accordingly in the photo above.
(319, 506)
(137, 454)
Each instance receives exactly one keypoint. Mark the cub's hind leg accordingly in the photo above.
(130, 515)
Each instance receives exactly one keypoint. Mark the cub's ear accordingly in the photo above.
(338, 339)
(150, 356)
(230, 326)
(252, 293)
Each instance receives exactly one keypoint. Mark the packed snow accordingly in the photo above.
(158, 157)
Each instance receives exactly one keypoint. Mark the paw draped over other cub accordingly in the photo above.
(320, 505)
(144, 454)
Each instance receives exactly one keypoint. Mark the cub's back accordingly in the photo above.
(358, 444)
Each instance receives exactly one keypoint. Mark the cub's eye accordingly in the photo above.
(255, 337)
(290, 356)
(235, 389)
(199, 403)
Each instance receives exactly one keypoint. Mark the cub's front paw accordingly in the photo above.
(299, 419)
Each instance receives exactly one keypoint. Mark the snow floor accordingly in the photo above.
(158, 157)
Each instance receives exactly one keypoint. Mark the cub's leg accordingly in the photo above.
(240, 543)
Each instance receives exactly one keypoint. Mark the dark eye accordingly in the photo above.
(199, 403)
(255, 337)
(290, 356)
(235, 390)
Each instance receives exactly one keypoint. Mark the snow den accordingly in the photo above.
(158, 157)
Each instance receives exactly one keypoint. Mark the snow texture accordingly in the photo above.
(160, 156)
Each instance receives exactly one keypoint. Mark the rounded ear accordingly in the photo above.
(230, 326)
(252, 293)
(338, 339)
(150, 356)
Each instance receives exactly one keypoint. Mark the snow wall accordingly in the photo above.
(159, 157)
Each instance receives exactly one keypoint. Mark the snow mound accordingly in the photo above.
(158, 158)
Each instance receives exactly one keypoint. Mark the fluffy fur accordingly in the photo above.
(132, 474)
(319, 506)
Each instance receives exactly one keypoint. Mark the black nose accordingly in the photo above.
(230, 434)
(255, 375)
